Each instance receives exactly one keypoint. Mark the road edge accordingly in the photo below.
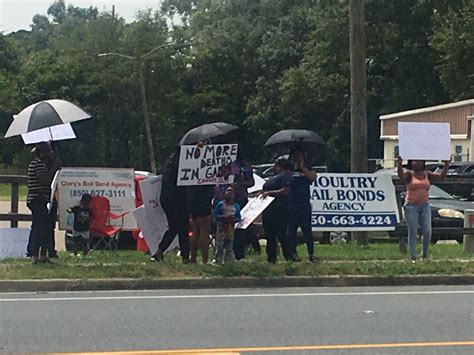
(55, 285)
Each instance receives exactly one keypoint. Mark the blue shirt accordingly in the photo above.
(299, 189)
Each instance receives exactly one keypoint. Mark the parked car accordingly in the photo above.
(447, 216)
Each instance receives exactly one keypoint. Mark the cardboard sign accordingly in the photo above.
(353, 202)
(117, 185)
(258, 186)
(151, 218)
(252, 210)
(201, 166)
(13, 242)
(424, 141)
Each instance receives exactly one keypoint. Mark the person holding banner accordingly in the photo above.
(275, 216)
(299, 205)
(417, 208)
(173, 201)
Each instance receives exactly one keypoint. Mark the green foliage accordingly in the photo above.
(264, 65)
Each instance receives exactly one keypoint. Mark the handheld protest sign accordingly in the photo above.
(202, 165)
(424, 141)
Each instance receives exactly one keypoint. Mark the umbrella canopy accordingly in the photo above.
(45, 114)
(295, 138)
(207, 131)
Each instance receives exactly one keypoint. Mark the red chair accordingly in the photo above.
(103, 235)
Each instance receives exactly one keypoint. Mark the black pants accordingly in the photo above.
(275, 226)
(178, 224)
(40, 227)
(52, 223)
(300, 216)
(240, 238)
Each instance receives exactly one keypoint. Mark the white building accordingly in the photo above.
(459, 115)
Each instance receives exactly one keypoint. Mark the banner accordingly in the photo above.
(117, 185)
(151, 218)
(13, 242)
(353, 202)
(424, 141)
(202, 165)
(252, 210)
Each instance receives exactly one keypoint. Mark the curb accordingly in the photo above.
(55, 285)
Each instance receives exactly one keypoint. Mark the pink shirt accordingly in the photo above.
(418, 190)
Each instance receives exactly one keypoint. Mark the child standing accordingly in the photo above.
(82, 219)
(227, 213)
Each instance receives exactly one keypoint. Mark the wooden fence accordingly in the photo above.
(13, 216)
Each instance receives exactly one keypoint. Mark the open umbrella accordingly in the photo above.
(207, 131)
(45, 114)
(295, 138)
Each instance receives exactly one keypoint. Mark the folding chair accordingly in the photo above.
(103, 235)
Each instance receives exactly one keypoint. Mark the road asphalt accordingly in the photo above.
(369, 320)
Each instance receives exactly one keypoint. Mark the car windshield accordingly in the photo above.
(438, 194)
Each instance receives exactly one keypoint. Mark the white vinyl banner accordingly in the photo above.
(201, 165)
(252, 210)
(424, 141)
(13, 242)
(353, 202)
(117, 185)
(150, 217)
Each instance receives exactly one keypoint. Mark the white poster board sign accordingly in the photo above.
(424, 141)
(151, 218)
(258, 186)
(117, 185)
(13, 242)
(201, 165)
(252, 210)
(54, 133)
(353, 202)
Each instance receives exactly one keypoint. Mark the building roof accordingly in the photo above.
(457, 114)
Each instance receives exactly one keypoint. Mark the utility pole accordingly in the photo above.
(359, 158)
(146, 115)
(139, 62)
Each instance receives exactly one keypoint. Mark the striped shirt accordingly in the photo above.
(35, 187)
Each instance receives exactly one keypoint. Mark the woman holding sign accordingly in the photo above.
(417, 208)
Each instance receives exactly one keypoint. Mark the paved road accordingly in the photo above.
(263, 321)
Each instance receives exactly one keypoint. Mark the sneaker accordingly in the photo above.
(413, 261)
(313, 259)
(425, 258)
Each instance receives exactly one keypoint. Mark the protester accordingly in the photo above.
(199, 202)
(275, 216)
(40, 174)
(417, 208)
(227, 213)
(82, 219)
(299, 205)
(243, 179)
(173, 201)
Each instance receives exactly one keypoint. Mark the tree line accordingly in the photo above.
(264, 65)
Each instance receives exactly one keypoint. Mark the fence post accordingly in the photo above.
(14, 203)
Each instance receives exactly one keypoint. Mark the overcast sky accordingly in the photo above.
(17, 14)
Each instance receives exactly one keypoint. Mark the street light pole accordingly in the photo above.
(139, 62)
(146, 116)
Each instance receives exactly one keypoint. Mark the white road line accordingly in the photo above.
(249, 295)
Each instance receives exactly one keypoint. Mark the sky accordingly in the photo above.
(17, 14)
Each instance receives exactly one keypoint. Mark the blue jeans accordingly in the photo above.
(418, 216)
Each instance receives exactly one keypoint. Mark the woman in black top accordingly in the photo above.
(275, 216)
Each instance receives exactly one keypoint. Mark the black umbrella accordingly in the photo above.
(206, 131)
(292, 138)
(45, 114)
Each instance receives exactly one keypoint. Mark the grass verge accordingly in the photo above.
(5, 192)
(377, 260)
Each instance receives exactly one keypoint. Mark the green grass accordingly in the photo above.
(377, 260)
(5, 192)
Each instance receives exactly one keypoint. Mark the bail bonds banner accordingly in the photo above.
(117, 185)
(353, 202)
(201, 165)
